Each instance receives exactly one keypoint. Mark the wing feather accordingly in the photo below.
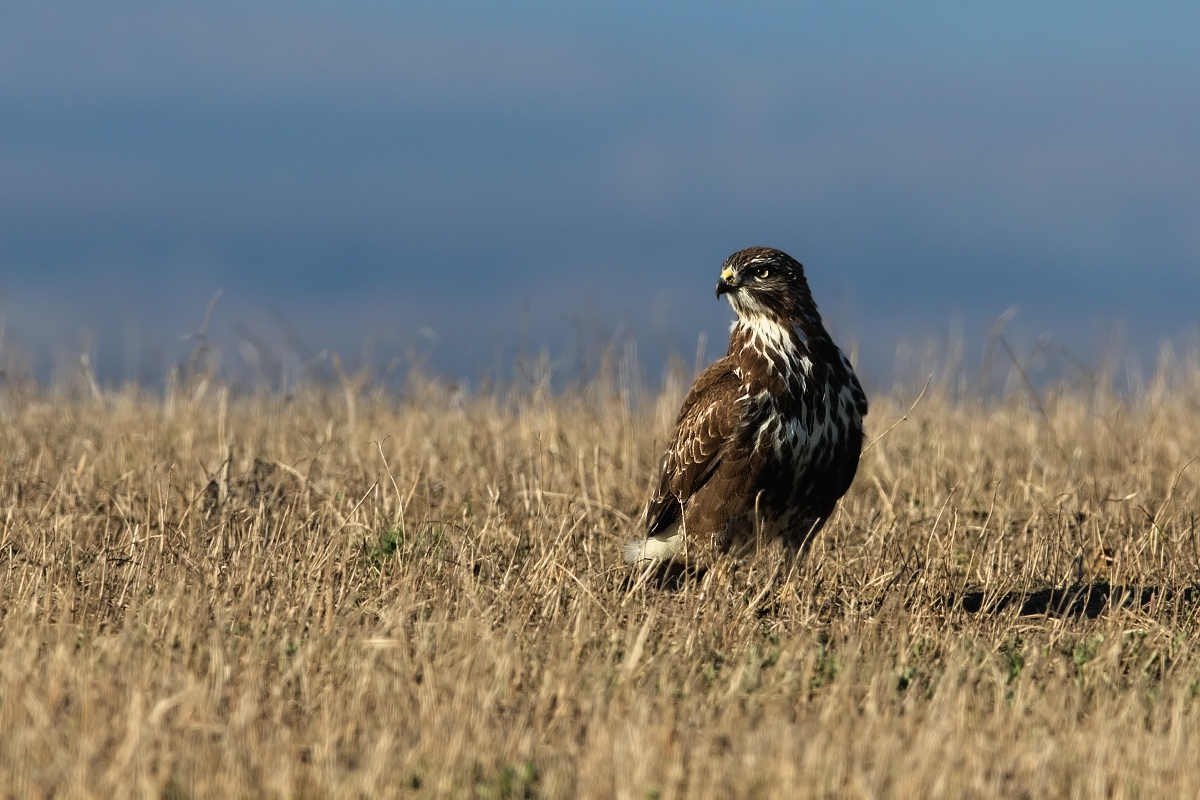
(860, 397)
(711, 414)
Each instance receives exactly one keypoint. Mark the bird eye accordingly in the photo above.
(762, 273)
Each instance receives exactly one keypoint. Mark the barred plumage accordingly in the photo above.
(769, 436)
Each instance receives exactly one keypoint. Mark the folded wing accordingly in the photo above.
(711, 415)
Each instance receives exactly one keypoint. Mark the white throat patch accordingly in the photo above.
(777, 344)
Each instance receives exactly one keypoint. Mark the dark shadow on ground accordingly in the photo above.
(667, 575)
(1088, 600)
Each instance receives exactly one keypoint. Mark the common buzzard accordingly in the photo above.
(769, 436)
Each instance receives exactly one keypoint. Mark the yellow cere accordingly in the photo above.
(727, 274)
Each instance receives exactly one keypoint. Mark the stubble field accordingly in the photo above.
(350, 592)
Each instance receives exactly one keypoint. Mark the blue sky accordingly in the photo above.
(454, 181)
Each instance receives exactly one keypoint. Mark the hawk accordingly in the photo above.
(769, 436)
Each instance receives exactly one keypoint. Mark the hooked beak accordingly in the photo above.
(729, 281)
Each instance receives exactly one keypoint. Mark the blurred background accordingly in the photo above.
(451, 184)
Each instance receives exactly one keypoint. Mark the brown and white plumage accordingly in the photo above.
(769, 436)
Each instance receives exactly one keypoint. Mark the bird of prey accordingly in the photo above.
(769, 436)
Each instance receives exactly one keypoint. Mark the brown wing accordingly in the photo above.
(711, 414)
(856, 390)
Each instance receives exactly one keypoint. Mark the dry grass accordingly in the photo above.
(354, 593)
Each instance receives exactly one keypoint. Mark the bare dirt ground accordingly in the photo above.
(356, 593)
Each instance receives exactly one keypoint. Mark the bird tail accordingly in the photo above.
(659, 547)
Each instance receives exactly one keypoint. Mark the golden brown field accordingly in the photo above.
(350, 592)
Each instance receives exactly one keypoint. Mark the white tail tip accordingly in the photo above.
(662, 547)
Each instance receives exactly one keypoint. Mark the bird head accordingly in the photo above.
(760, 281)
